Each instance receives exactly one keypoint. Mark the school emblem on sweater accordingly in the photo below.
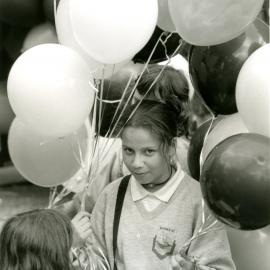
(163, 243)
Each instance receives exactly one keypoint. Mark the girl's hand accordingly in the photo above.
(81, 228)
(183, 262)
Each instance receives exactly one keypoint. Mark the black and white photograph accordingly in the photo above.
(134, 135)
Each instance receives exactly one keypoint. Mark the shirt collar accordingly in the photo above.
(138, 192)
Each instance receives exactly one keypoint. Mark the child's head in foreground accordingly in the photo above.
(36, 240)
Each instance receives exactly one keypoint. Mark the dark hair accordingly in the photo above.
(158, 117)
(168, 84)
(36, 240)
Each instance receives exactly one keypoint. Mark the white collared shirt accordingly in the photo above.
(151, 200)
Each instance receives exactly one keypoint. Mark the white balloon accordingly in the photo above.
(253, 91)
(46, 161)
(112, 31)
(66, 37)
(50, 89)
(212, 22)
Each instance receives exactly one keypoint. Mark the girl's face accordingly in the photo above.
(143, 155)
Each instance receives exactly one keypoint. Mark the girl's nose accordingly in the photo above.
(137, 161)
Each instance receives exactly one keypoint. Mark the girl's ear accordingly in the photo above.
(172, 149)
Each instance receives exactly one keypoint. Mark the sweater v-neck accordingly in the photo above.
(161, 207)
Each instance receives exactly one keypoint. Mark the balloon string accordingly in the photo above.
(99, 102)
(51, 197)
(164, 45)
(203, 212)
(202, 229)
(109, 101)
(97, 151)
(92, 155)
(102, 98)
(115, 113)
(119, 105)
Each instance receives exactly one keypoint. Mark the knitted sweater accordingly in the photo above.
(147, 240)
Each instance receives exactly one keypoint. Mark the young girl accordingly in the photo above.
(36, 240)
(164, 82)
(161, 206)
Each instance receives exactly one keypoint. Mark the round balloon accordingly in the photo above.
(46, 161)
(214, 70)
(40, 34)
(228, 126)
(21, 13)
(112, 31)
(253, 91)
(66, 37)
(50, 89)
(235, 181)
(206, 23)
(163, 50)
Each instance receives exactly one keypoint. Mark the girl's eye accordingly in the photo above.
(149, 152)
(128, 151)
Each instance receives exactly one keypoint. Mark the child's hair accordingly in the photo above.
(36, 240)
(158, 117)
(167, 83)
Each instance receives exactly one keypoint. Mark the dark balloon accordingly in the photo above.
(214, 69)
(4, 154)
(5, 64)
(48, 7)
(113, 89)
(161, 52)
(235, 181)
(21, 12)
(13, 41)
(5, 61)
